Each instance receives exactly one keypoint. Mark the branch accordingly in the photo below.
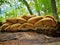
(25, 2)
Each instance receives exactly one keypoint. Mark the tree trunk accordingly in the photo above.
(28, 7)
(54, 9)
(27, 38)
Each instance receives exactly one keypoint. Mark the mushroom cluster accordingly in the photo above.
(27, 22)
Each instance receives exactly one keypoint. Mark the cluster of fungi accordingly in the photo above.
(30, 22)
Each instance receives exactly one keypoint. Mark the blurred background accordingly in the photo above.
(15, 8)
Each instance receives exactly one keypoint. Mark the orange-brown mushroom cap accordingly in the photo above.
(14, 27)
(11, 20)
(4, 26)
(34, 19)
(54, 20)
(46, 23)
(21, 20)
(28, 16)
(26, 26)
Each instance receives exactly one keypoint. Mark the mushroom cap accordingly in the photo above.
(46, 23)
(54, 20)
(7, 28)
(4, 26)
(34, 19)
(26, 26)
(11, 20)
(7, 23)
(14, 27)
(21, 20)
(28, 16)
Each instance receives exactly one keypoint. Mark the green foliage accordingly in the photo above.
(4, 1)
(35, 6)
(16, 12)
(1, 19)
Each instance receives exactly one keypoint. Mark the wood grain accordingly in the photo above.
(27, 38)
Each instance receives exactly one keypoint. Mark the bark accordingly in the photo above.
(27, 38)
(28, 7)
(54, 9)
